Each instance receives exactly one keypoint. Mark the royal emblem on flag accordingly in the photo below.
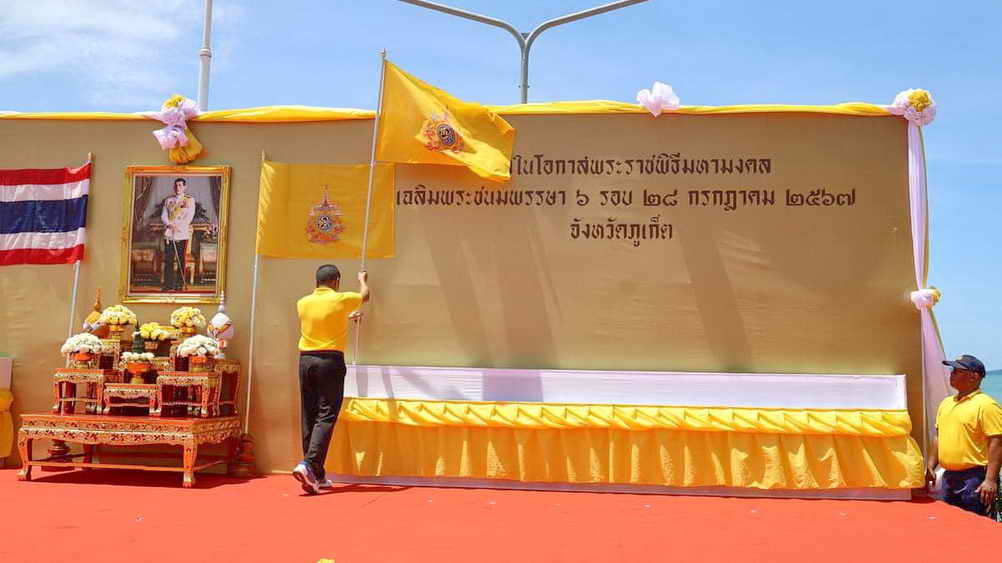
(324, 225)
(440, 135)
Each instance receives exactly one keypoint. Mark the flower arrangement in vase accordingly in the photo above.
(82, 349)
(117, 317)
(187, 320)
(200, 351)
(137, 363)
(152, 335)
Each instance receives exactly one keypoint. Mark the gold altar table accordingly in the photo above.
(103, 430)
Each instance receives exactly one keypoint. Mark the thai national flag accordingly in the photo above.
(43, 213)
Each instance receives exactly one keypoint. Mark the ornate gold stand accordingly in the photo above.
(64, 387)
(196, 393)
(130, 395)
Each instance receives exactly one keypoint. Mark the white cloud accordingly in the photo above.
(118, 53)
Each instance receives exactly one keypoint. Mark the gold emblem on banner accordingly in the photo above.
(324, 225)
(440, 135)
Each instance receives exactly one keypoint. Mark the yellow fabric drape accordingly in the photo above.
(877, 423)
(669, 446)
(6, 423)
(294, 114)
(598, 455)
(263, 114)
(422, 124)
(187, 153)
(284, 114)
(318, 211)
(606, 106)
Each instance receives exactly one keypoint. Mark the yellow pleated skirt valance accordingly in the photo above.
(548, 415)
(616, 444)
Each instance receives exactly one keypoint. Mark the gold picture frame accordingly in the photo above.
(174, 248)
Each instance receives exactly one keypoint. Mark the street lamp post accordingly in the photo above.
(524, 39)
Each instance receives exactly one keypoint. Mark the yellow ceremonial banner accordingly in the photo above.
(421, 124)
(318, 211)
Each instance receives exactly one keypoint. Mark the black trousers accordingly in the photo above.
(321, 385)
(174, 268)
(960, 489)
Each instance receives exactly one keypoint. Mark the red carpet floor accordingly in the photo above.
(111, 516)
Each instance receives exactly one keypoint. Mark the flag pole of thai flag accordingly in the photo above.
(43, 214)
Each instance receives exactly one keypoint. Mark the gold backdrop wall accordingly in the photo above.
(754, 288)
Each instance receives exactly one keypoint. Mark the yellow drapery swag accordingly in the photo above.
(625, 444)
(318, 211)
(421, 124)
(187, 153)
(6, 423)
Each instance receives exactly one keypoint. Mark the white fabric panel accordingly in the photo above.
(43, 241)
(860, 494)
(44, 192)
(936, 376)
(794, 391)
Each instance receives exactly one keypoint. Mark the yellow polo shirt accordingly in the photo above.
(964, 427)
(323, 318)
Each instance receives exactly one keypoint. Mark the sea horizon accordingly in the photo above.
(992, 384)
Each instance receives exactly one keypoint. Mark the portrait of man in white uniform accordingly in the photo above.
(175, 252)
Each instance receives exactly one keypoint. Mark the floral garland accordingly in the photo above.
(198, 345)
(659, 98)
(176, 138)
(153, 331)
(84, 342)
(145, 357)
(118, 315)
(187, 317)
(916, 105)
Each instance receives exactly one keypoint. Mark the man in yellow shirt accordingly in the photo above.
(323, 322)
(969, 442)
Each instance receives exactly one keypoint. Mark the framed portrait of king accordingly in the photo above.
(174, 234)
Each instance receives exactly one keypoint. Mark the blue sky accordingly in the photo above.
(122, 55)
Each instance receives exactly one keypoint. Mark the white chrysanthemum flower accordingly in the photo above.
(198, 345)
(83, 342)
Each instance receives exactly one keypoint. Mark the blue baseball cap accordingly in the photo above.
(967, 362)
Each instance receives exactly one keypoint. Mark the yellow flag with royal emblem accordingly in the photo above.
(421, 124)
(318, 211)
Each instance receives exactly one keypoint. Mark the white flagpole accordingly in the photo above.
(205, 58)
(76, 280)
(368, 199)
(253, 319)
(250, 351)
(73, 299)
